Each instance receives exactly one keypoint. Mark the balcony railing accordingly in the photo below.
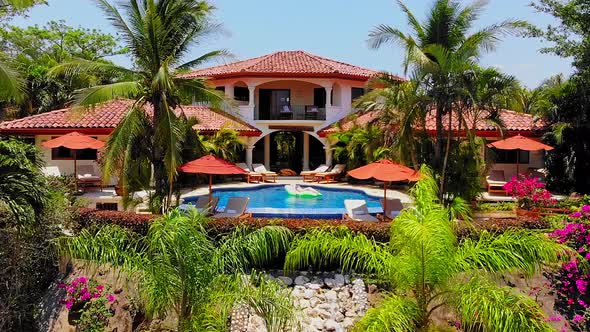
(290, 112)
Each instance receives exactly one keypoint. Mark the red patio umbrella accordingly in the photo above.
(386, 171)
(211, 165)
(74, 141)
(519, 142)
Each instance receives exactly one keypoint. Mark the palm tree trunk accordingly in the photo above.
(439, 135)
(160, 182)
(446, 158)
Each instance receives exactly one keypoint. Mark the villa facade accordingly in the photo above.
(288, 100)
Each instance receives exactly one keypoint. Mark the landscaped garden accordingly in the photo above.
(447, 261)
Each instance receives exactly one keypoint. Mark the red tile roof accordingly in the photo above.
(513, 122)
(103, 118)
(291, 63)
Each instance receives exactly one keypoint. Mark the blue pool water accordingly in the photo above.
(273, 201)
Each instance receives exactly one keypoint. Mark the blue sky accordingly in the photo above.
(332, 28)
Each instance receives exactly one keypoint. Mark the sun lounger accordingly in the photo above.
(496, 181)
(251, 177)
(51, 171)
(87, 177)
(267, 176)
(309, 176)
(203, 205)
(356, 209)
(330, 176)
(235, 208)
(392, 209)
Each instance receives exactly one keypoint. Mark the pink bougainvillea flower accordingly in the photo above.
(100, 288)
(82, 279)
(96, 295)
(111, 298)
(61, 286)
(69, 305)
(578, 318)
(554, 318)
(570, 301)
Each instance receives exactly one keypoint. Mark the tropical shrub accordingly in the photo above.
(427, 268)
(571, 281)
(90, 300)
(530, 192)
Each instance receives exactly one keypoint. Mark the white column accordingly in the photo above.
(267, 152)
(229, 90)
(249, 151)
(328, 96)
(251, 90)
(328, 151)
(305, 151)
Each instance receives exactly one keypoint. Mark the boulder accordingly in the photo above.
(301, 280)
(285, 280)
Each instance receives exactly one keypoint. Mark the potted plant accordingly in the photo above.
(530, 195)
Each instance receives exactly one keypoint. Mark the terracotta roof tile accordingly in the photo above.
(297, 63)
(108, 116)
(513, 121)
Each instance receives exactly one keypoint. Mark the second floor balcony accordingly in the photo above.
(290, 112)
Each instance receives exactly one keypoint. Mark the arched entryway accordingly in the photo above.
(295, 150)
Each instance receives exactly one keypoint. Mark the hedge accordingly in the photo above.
(139, 223)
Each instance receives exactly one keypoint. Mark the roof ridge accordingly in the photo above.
(321, 58)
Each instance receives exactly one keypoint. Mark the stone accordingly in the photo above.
(308, 293)
(347, 278)
(314, 302)
(317, 323)
(359, 297)
(285, 280)
(372, 288)
(303, 303)
(339, 317)
(324, 314)
(330, 282)
(331, 325)
(347, 322)
(256, 324)
(317, 281)
(339, 280)
(313, 286)
(343, 295)
(350, 313)
(301, 280)
(331, 296)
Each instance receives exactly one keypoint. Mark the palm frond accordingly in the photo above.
(12, 86)
(394, 314)
(103, 93)
(205, 58)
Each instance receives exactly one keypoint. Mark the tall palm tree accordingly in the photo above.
(440, 47)
(178, 268)
(428, 268)
(159, 34)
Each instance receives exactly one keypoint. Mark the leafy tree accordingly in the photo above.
(180, 269)
(35, 50)
(441, 51)
(224, 143)
(359, 145)
(159, 34)
(428, 268)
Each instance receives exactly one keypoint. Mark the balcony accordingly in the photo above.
(290, 112)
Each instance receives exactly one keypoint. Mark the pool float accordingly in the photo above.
(295, 190)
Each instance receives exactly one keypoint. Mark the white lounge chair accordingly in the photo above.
(393, 207)
(251, 177)
(203, 205)
(309, 176)
(267, 176)
(87, 177)
(331, 175)
(356, 209)
(496, 181)
(51, 171)
(235, 208)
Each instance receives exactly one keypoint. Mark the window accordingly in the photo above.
(357, 92)
(107, 206)
(510, 156)
(241, 93)
(220, 88)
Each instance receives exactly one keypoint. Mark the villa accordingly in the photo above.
(287, 94)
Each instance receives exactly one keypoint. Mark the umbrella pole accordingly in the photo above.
(75, 170)
(210, 190)
(517, 162)
(384, 200)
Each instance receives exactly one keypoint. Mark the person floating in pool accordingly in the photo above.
(295, 189)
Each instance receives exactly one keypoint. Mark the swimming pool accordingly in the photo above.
(273, 201)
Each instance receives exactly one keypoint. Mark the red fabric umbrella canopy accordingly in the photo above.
(385, 170)
(74, 141)
(520, 143)
(211, 165)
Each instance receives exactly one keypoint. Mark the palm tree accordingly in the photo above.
(360, 145)
(178, 268)
(22, 185)
(225, 143)
(428, 268)
(440, 48)
(159, 34)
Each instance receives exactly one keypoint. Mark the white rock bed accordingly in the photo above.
(326, 302)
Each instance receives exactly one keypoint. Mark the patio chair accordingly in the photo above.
(495, 182)
(267, 176)
(87, 177)
(331, 176)
(309, 176)
(251, 177)
(286, 113)
(311, 112)
(203, 205)
(356, 210)
(393, 208)
(235, 208)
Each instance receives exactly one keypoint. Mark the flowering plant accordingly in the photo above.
(91, 301)
(571, 282)
(529, 191)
